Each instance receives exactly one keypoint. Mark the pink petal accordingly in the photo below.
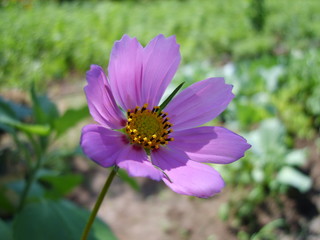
(199, 103)
(101, 103)
(124, 72)
(101, 144)
(210, 144)
(187, 177)
(135, 161)
(161, 58)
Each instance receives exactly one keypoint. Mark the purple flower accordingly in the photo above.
(132, 134)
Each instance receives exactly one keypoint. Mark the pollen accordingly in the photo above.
(148, 128)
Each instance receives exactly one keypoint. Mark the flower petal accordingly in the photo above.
(199, 103)
(124, 72)
(135, 161)
(101, 103)
(102, 145)
(161, 58)
(185, 176)
(210, 144)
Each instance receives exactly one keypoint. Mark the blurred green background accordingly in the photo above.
(268, 49)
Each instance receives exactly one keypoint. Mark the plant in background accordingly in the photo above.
(29, 186)
(160, 142)
(50, 46)
(257, 13)
(268, 171)
(298, 94)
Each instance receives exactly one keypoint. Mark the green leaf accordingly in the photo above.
(294, 178)
(42, 130)
(6, 109)
(165, 102)
(5, 231)
(52, 220)
(268, 139)
(11, 110)
(44, 110)
(296, 157)
(126, 178)
(60, 185)
(7, 199)
(36, 190)
(14, 110)
(69, 119)
(269, 231)
(224, 211)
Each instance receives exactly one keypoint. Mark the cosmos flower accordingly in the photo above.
(133, 134)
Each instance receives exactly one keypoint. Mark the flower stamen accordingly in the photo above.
(148, 128)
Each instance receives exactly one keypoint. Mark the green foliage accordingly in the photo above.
(292, 177)
(170, 97)
(286, 87)
(266, 88)
(55, 39)
(44, 110)
(257, 14)
(69, 119)
(28, 128)
(268, 170)
(5, 231)
(53, 220)
(14, 110)
(37, 183)
(59, 185)
(298, 95)
(267, 232)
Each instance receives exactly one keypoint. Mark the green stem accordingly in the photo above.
(35, 145)
(29, 183)
(22, 149)
(98, 203)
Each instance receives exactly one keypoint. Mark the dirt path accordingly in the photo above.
(154, 212)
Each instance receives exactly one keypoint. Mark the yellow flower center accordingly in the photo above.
(148, 128)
